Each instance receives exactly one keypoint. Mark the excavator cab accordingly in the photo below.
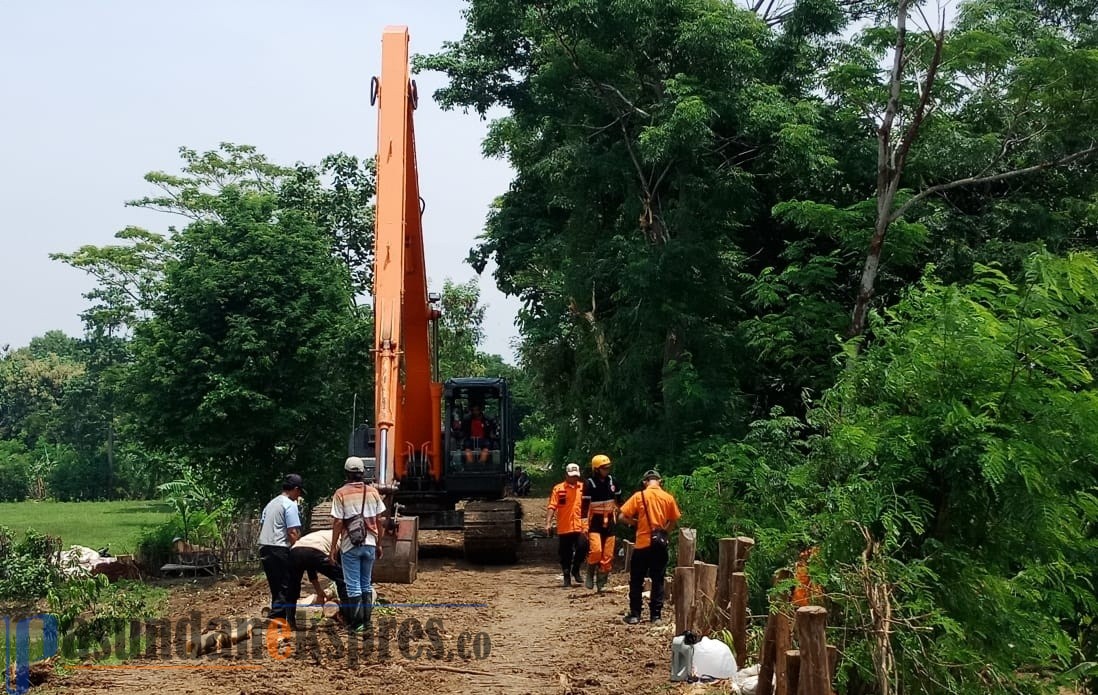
(478, 441)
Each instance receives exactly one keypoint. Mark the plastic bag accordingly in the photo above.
(713, 659)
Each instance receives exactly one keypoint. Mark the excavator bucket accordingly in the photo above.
(399, 545)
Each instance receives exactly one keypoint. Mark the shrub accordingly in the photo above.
(26, 568)
(15, 467)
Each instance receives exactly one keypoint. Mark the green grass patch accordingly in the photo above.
(93, 524)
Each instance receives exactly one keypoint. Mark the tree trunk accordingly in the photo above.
(869, 276)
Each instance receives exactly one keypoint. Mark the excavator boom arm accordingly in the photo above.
(407, 402)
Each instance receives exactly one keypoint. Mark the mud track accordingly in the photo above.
(517, 629)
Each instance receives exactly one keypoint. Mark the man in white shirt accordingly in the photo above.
(280, 527)
(311, 555)
(358, 550)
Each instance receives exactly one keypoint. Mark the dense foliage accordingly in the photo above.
(788, 248)
(697, 183)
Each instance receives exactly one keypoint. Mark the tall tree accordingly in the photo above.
(647, 139)
(1009, 105)
(244, 362)
(233, 183)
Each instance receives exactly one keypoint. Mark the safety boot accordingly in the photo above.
(354, 613)
(567, 581)
(367, 611)
(576, 578)
(589, 580)
(600, 582)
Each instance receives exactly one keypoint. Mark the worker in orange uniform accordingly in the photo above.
(566, 505)
(806, 591)
(601, 499)
(654, 512)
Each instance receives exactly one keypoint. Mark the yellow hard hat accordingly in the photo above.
(599, 461)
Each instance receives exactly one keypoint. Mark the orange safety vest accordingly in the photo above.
(566, 500)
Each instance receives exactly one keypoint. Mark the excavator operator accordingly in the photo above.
(477, 431)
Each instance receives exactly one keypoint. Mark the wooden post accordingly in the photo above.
(783, 642)
(684, 598)
(628, 545)
(742, 546)
(793, 670)
(832, 665)
(688, 541)
(705, 591)
(812, 638)
(726, 560)
(766, 657)
(739, 616)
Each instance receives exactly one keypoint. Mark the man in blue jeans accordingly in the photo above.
(353, 502)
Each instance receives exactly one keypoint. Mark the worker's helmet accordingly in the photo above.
(600, 461)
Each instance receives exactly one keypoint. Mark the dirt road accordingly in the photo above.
(506, 629)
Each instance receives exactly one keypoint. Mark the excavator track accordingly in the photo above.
(492, 531)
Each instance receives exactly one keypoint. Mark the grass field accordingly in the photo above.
(92, 524)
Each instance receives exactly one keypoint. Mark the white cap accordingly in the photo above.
(572, 469)
(354, 464)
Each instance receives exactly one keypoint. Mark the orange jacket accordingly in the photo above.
(566, 500)
(806, 591)
(661, 507)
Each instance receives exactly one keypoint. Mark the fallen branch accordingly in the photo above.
(454, 669)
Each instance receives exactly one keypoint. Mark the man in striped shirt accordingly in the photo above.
(357, 500)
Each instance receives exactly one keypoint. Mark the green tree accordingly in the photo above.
(460, 330)
(948, 479)
(244, 363)
(15, 471)
(108, 413)
(31, 393)
(649, 141)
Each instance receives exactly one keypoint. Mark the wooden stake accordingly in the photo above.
(832, 664)
(726, 560)
(739, 616)
(688, 541)
(684, 598)
(742, 546)
(783, 642)
(793, 670)
(705, 591)
(812, 638)
(766, 657)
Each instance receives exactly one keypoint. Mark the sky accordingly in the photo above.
(95, 94)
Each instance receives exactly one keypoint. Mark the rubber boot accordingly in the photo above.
(353, 616)
(366, 613)
(567, 581)
(589, 580)
(600, 582)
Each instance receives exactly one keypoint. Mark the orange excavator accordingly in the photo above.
(432, 476)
